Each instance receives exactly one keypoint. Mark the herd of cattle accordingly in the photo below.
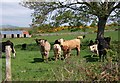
(99, 47)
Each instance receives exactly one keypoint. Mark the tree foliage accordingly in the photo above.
(73, 12)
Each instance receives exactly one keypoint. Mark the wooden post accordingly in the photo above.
(0, 49)
(8, 63)
(0, 66)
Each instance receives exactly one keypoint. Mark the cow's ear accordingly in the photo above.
(36, 39)
(91, 41)
(45, 40)
(61, 46)
(96, 41)
(39, 39)
(83, 36)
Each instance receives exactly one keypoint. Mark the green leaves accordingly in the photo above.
(68, 12)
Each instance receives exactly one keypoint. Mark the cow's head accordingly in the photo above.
(93, 48)
(61, 41)
(40, 41)
(91, 43)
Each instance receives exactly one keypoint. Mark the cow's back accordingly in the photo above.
(72, 43)
(7, 43)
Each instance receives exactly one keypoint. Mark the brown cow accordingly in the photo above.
(68, 45)
(44, 48)
(57, 51)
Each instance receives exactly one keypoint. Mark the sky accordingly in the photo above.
(12, 13)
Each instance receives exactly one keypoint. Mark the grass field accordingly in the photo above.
(28, 65)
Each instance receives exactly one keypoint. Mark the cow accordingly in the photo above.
(100, 46)
(68, 45)
(103, 46)
(24, 46)
(7, 43)
(66, 51)
(57, 51)
(44, 48)
(93, 46)
(108, 39)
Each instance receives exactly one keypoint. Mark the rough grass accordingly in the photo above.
(28, 65)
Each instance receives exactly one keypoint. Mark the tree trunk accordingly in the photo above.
(101, 26)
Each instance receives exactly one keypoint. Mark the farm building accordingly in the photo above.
(14, 34)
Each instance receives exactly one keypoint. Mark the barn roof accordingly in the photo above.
(11, 32)
(25, 32)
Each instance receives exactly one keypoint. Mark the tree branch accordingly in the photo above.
(117, 6)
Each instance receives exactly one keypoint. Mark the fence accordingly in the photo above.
(8, 63)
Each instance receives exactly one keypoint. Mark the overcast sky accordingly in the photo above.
(12, 13)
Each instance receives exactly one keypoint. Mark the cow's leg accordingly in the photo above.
(78, 51)
(59, 55)
(64, 55)
(102, 58)
(46, 59)
(13, 51)
(68, 52)
(14, 55)
(46, 56)
(100, 55)
(56, 56)
(42, 55)
(104, 55)
(42, 52)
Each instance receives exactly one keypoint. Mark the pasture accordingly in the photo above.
(28, 64)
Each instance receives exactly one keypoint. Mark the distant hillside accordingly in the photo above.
(8, 26)
(11, 27)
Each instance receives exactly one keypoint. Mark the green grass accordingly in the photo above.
(27, 66)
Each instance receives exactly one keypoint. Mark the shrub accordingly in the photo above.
(77, 70)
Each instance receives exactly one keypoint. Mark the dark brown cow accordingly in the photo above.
(7, 43)
(103, 45)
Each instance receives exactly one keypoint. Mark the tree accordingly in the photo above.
(73, 12)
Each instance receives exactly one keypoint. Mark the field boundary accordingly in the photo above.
(67, 33)
(52, 34)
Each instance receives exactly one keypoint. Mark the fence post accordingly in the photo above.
(8, 63)
(0, 49)
(0, 66)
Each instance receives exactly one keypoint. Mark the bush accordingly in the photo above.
(77, 70)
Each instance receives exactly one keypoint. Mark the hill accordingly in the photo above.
(8, 26)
